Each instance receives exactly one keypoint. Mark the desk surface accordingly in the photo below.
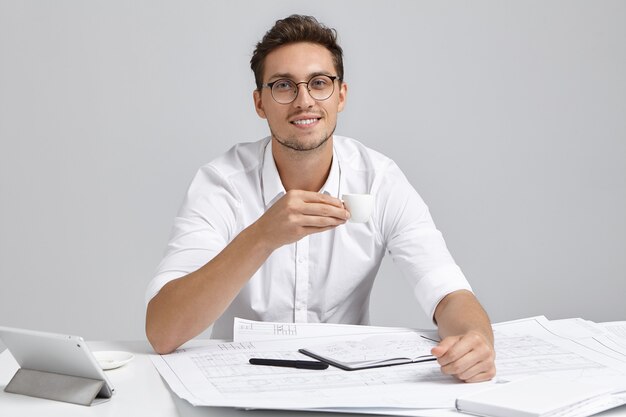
(140, 391)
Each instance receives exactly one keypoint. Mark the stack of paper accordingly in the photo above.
(219, 374)
(541, 396)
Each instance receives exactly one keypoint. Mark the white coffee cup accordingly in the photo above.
(359, 205)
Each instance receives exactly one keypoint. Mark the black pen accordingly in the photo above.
(289, 364)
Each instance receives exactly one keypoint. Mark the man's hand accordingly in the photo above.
(470, 357)
(466, 349)
(298, 214)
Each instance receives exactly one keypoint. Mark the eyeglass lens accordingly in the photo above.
(320, 88)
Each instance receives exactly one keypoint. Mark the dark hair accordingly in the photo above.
(295, 28)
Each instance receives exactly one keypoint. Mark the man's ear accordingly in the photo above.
(343, 94)
(258, 104)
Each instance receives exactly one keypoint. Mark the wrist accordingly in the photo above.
(259, 240)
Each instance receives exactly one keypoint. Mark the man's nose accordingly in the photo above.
(303, 99)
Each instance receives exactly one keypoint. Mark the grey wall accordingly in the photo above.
(508, 117)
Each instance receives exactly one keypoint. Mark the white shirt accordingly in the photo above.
(324, 277)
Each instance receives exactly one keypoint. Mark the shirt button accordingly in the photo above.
(300, 260)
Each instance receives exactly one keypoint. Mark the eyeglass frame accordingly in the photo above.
(333, 78)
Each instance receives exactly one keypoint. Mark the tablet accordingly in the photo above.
(55, 353)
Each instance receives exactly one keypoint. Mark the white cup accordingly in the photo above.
(359, 205)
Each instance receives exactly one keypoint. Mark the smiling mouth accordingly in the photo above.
(305, 122)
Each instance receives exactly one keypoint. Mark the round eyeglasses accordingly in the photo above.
(285, 91)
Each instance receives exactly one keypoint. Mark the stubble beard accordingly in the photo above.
(295, 145)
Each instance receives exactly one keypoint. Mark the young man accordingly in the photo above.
(263, 234)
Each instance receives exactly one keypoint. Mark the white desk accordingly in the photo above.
(140, 391)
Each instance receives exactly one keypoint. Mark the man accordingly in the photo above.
(263, 234)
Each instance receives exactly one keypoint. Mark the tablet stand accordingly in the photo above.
(51, 386)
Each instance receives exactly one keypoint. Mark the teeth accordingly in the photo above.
(304, 122)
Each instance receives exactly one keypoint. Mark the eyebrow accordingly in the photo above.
(291, 77)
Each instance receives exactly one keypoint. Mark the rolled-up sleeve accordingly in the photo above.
(415, 244)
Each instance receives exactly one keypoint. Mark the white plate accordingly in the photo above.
(111, 359)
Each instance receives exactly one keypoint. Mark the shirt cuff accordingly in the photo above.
(433, 287)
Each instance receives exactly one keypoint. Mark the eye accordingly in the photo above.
(283, 85)
(319, 83)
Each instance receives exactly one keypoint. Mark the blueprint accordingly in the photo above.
(219, 374)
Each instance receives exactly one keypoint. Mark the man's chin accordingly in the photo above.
(302, 145)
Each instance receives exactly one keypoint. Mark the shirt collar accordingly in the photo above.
(270, 180)
(272, 187)
(331, 186)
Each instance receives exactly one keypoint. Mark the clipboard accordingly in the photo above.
(55, 367)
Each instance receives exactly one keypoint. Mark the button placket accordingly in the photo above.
(302, 281)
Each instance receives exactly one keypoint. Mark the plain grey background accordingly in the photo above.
(509, 118)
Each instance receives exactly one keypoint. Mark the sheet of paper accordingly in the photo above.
(594, 336)
(617, 328)
(248, 330)
(530, 346)
(575, 328)
(615, 331)
(407, 412)
(220, 375)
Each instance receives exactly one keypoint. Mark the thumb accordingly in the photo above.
(443, 346)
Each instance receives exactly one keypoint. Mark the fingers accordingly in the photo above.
(443, 346)
(483, 371)
(468, 367)
(469, 358)
(325, 210)
(313, 197)
(315, 209)
(300, 213)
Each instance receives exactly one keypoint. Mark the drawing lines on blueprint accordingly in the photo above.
(268, 329)
(531, 355)
(229, 373)
(323, 380)
(226, 364)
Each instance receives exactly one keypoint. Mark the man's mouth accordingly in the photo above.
(305, 122)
